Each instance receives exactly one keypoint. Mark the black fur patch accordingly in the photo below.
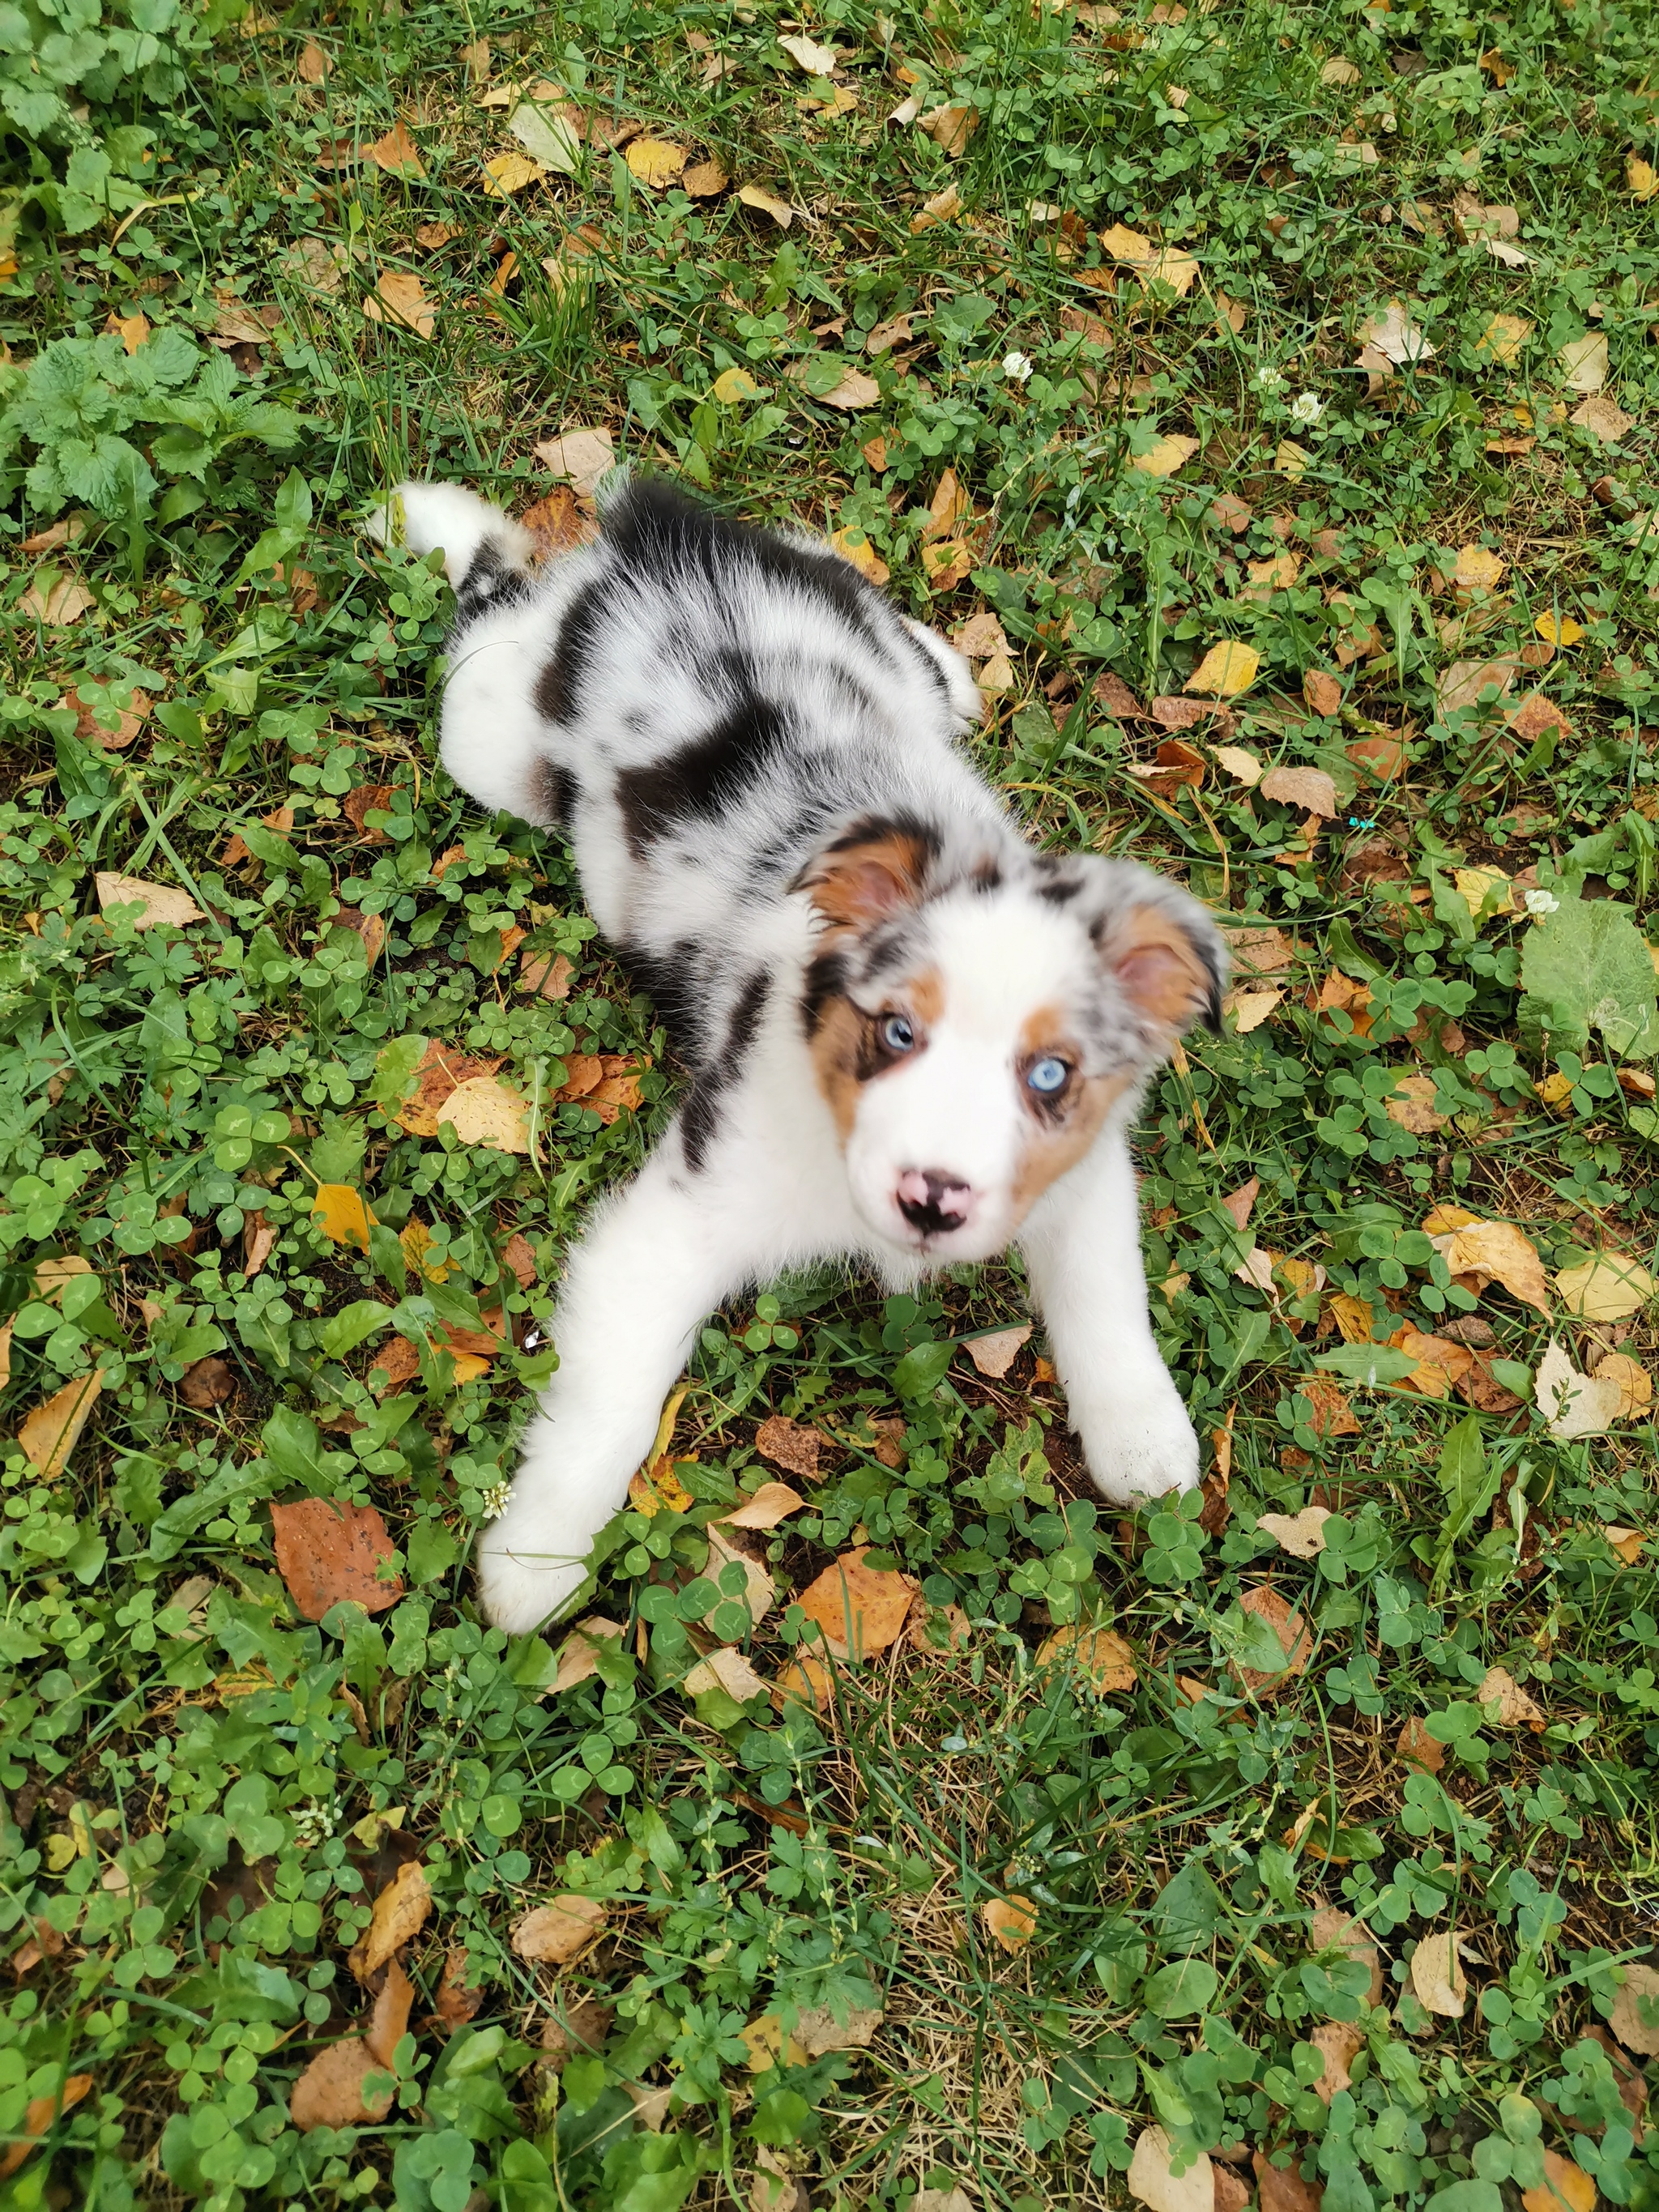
(551, 796)
(491, 581)
(673, 982)
(557, 696)
(826, 979)
(702, 1116)
(701, 778)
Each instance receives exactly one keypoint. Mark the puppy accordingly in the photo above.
(913, 1038)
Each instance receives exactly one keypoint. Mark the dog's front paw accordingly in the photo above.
(526, 1570)
(1139, 1449)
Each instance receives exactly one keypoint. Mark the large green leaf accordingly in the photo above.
(1587, 967)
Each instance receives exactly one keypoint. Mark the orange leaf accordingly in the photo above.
(52, 1432)
(554, 1934)
(1293, 1634)
(338, 1210)
(860, 1609)
(401, 298)
(39, 2116)
(400, 1911)
(1010, 1922)
(396, 153)
(327, 1552)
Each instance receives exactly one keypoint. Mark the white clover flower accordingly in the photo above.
(493, 1501)
(1540, 903)
(312, 1825)
(1017, 366)
(1269, 380)
(1306, 408)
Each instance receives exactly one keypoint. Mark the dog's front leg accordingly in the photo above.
(657, 1261)
(1082, 1247)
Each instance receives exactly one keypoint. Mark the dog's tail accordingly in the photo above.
(486, 554)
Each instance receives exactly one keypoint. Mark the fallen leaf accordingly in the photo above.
(64, 601)
(1500, 1252)
(1276, 573)
(37, 2119)
(313, 64)
(854, 391)
(1417, 1747)
(1226, 669)
(1515, 1708)
(1337, 2043)
(550, 132)
(580, 456)
(860, 1609)
(583, 2028)
(207, 1384)
(1411, 1105)
(330, 2093)
(1641, 177)
(504, 175)
(703, 180)
(1010, 1922)
(1249, 1009)
(396, 153)
(1610, 1288)
(1635, 2016)
(1310, 789)
(726, 1669)
(1164, 458)
(1477, 569)
(1629, 1543)
(1302, 1535)
(483, 1111)
(1321, 691)
(1559, 629)
(1565, 2188)
(1339, 70)
(1238, 1203)
(853, 545)
(789, 1443)
(951, 126)
(1353, 1317)
(1462, 683)
(759, 1593)
(1583, 362)
(1436, 1976)
(765, 202)
(579, 1655)
(1393, 333)
(1502, 338)
(1102, 1658)
(817, 2032)
(807, 1681)
(160, 906)
(1635, 1383)
(554, 1934)
(1332, 1929)
(943, 207)
(1240, 764)
(401, 298)
(1151, 2178)
(400, 1911)
(1232, 2191)
(455, 2002)
(51, 1432)
(772, 1503)
(338, 1211)
(1604, 418)
(328, 1551)
(807, 54)
(1292, 1632)
(981, 637)
(655, 161)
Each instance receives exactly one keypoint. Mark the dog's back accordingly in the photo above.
(697, 703)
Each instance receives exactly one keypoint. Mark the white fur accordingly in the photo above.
(770, 1185)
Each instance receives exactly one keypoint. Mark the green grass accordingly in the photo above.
(196, 1774)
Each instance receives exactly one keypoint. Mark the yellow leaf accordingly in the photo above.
(1635, 1383)
(338, 1210)
(162, 907)
(726, 1669)
(772, 1503)
(483, 1111)
(1607, 1288)
(1010, 1922)
(509, 172)
(1502, 339)
(703, 180)
(758, 196)
(853, 545)
(1226, 669)
(1479, 569)
(732, 385)
(1104, 1658)
(1302, 1535)
(807, 54)
(1641, 177)
(416, 1242)
(1120, 243)
(396, 153)
(1583, 362)
(1497, 1251)
(1291, 460)
(1168, 455)
(1240, 762)
(1353, 1317)
(942, 208)
(1249, 1009)
(400, 1911)
(1477, 888)
(655, 161)
(1565, 2187)
(1559, 629)
(860, 1609)
(52, 1432)
(769, 2046)
(1437, 1978)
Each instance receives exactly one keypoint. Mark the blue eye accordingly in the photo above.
(896, 1034)
(1048, 1077)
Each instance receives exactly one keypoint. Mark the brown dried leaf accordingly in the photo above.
(555, 1933)
(1417, 1747)
(1292, 1632)
(58, 603)
(1152, 2180)
(580, 456)
(772, 1503)
(327, 1552)
(399, 297)
(1010, 1922)
(1239, 1202)
(1281, 2188)
(1515, 1708)
(400, 1911)
(1309, 789)
(992, 1355)
(1104, 1659)
(1438, 1976)
(51, 1432)
(579, 1655)
(1337, 2043)
(396, 153)
(1635, 2016)
(1411, 1105)
(206, 1383)
(1565, 2188)
(162, 907)
(860, 1609)
(1302, 1535)
(790, 1445)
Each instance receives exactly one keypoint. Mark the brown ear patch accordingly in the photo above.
(1160, 967)
(866, 875)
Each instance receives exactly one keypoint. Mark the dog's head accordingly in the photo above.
(973, 1019)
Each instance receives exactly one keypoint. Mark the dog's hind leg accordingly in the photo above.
(484, 548)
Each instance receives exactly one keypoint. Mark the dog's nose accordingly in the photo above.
(934, 1202)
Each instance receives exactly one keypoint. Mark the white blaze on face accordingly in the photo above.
(948, 1128)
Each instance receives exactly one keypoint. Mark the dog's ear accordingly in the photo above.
(868, 872)
(1168, 958)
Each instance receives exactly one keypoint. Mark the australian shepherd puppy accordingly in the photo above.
(913, 1038)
